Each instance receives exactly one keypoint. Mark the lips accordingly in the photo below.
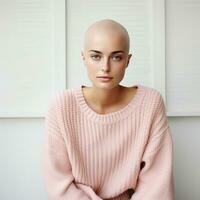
(104, 77)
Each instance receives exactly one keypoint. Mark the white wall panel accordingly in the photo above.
(182, 56)
(32, 55)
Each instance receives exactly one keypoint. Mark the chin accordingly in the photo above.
(106, 86)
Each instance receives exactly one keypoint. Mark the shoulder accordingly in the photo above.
(154, 107)
(151, 92)
(152, 98)
(61, 98)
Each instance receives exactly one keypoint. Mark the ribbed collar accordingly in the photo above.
(109, 117)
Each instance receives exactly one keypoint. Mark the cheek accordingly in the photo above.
(92, 69)
(119, 68)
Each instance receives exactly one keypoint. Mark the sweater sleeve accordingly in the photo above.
(57, 172)
(155, 181)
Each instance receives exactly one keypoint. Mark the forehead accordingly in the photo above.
(106, 42)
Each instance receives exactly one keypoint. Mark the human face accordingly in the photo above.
(106, 57)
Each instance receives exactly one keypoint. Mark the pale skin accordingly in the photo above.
(106, 53)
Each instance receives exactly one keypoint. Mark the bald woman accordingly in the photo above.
(107, 141)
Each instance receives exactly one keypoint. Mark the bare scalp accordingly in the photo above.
(105, 28)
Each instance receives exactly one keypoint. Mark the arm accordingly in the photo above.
(57, 172)
(155, 181)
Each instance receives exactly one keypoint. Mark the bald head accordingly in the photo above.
(107, 29)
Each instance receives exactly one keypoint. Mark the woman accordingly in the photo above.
(107, 141)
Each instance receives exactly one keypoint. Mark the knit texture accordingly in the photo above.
(121, 155)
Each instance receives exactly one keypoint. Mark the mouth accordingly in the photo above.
(104, 78)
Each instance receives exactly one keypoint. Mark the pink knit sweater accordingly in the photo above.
(124, 155)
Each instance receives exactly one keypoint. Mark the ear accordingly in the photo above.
(129, 57)
(83, 56)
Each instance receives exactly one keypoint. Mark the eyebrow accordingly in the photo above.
(111, 52)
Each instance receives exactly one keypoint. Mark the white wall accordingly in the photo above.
(186, 137)
(20, 151)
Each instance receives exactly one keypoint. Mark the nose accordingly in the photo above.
(105, 66)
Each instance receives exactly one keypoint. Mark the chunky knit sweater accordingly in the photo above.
(124, 155)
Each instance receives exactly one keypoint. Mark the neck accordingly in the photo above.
(103, 98)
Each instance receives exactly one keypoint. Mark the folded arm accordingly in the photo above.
(57, 171)
(155, 181)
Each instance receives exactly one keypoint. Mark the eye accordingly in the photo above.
(117, 58)
(95, 57)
